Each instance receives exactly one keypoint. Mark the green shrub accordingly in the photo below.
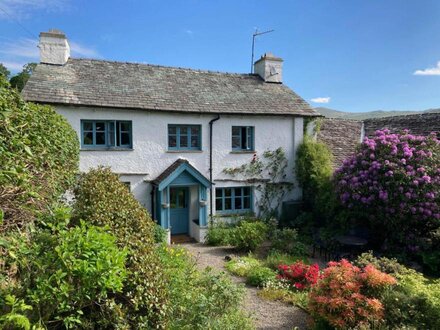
(275, 258)
(14, 317)
(200, 300)
(219, 234)
(257, 276)
(242, 266)
(386, 265)
(39, 153)
(247, 236)
(286, 240)
(160, 234)
(73, 271)
(102, 200)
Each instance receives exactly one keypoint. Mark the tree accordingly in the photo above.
(19, 80)
(4, 71)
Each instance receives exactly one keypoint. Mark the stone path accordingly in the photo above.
(267, 314)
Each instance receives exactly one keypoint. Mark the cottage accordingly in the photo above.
(170, 132)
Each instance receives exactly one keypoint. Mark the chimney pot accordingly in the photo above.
(54, 47)
(269, 68)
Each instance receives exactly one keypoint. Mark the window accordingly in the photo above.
(184, 137)
(233, 200)
(106, 134)
(242, 138)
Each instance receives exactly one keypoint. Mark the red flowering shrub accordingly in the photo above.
(299, 275)
(397, 178)
(347, 296)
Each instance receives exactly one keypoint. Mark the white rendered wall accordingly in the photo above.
(150, 156)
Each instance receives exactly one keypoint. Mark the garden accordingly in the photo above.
(389, 190)
(99, 261)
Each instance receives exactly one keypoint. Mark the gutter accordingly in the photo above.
(211, 122)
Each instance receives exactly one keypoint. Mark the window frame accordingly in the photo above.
(189, 136)
(233, 196)
(250, 138)
(112, 127)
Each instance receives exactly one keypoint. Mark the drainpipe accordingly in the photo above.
(211, 122)
(153, 203)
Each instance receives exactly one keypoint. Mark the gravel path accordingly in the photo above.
(267, 314)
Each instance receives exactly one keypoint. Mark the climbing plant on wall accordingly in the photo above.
(269, 172)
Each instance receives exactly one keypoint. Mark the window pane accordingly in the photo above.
(227, 192)
(111, 134)
(183, 130)
(194, 141)
(228, 203)
(181, 201)
(250, 141)
(247, 202)
(218, 204)
(100, 138)
(183, 141)
(236, 142)
(218, 192)
(172, 130)
(172, 141)
(238, 205)
(88, 138)
(100, 126)
(237, 191)
(87, 126)
(125, 126)
(236, 130)
(243, 138)
(125, 139)
(173, 199)
(246, 191)
(195, 130)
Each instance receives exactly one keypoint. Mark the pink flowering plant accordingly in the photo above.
(394, 181)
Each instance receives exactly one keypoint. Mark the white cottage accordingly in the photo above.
(170, 132)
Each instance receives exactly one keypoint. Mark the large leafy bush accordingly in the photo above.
(38, 157)
(249, 235)
(347, 296)
(102, 200)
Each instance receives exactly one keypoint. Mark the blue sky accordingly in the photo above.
(356, 55)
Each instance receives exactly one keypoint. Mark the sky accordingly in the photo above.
(349, 55)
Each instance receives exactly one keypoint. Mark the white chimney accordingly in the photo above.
(54, 48)
(270, 68)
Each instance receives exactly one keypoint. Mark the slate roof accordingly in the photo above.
(100, 83)
(170, 170)
(341, 136)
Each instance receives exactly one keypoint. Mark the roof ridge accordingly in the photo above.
(165, 67)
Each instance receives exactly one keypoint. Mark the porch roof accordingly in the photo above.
(175, 169)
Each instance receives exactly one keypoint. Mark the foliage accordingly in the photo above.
(397, 177)
(248, 235)
(347, 296)
(242, 266)
(299, 275)
(102, 200)
(200, 300)
(386, 265)
(160, 234)
(280, 290)
(270, 173)
(18, 81)
(219, 234)
(14, 317)
(259, 275)
(38, 157)
(4, 71)
(73, 271)
(275, 258)
(286, 240)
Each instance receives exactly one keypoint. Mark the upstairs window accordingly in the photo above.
(106, 134)
(233, 200)
(184, 137)
(242, 138)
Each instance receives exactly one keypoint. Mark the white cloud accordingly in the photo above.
(435, 71)
(24, 47)
(13, 66)
(19, 9)
(82, 50)
(321, 99)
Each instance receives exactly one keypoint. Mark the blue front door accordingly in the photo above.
(179, 211)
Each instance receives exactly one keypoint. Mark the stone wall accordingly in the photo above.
(422, 124)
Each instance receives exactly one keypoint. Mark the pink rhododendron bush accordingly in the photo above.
(394, 181)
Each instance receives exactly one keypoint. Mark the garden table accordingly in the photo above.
(352, 243)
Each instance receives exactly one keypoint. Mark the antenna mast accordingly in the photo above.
(256, 34)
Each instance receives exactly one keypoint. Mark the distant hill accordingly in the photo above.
(331, 113)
